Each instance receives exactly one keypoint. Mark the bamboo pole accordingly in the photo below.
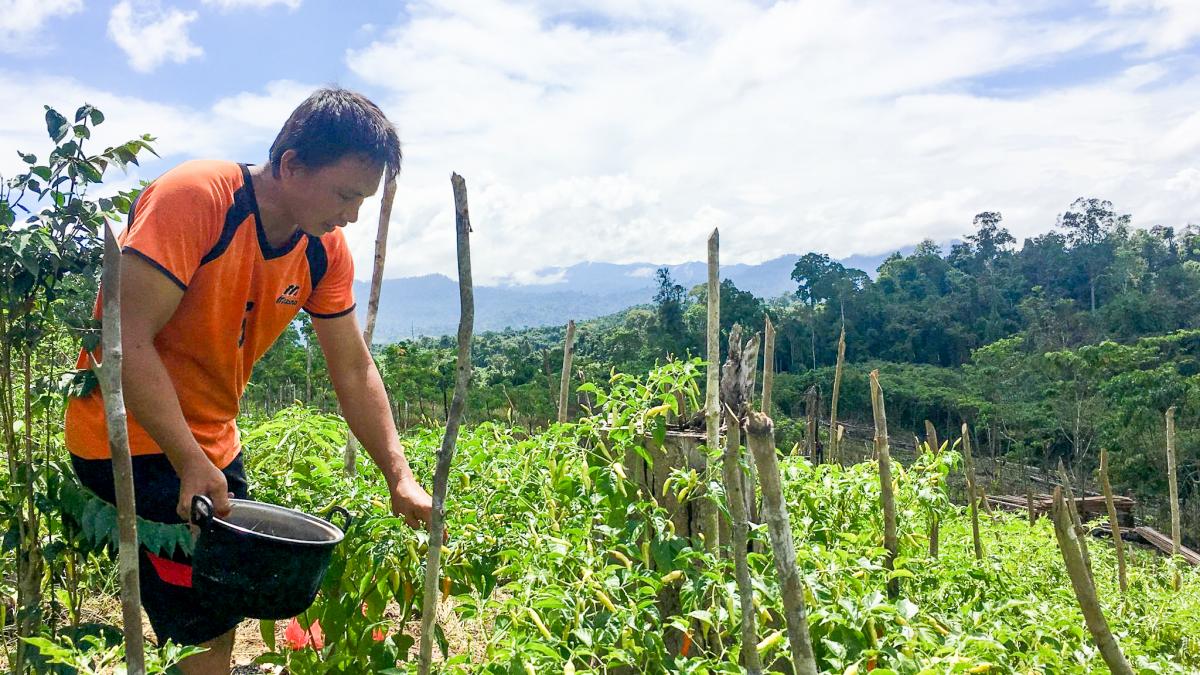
(735, 484)
(349, 463)
(768, 365)
(835, 440)
(108, 372)
(1085, 591)
(935, 524)
(761, 439)
(969, 461)
(1074, 512)
(564, 383)
(886, 494)
(712, 389)
(1112, 521)
(458, 406)
(1173, 491)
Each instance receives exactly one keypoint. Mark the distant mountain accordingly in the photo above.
(428, 305)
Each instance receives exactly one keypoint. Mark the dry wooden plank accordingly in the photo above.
(1163, 543)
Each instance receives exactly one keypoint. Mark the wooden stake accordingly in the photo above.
(564, 387)
(108, 373)
(810, 426)
(1112, 521)
(768, 366)
(1029, 503)
(466, 323)
(1080, 534)
(712, 388)
(735, 484)
(935, 525)
(761, 439)
(349, 463)
(835, 440)
(886, 494)
(1173, 491)
(1085, 591)
(969, 461)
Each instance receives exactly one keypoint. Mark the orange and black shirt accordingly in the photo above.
(199, 225)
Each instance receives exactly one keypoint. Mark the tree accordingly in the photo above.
(1089, 225)
(669, 305)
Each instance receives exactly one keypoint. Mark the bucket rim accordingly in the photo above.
(337, 534)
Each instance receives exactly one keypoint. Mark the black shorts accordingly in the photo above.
(166, 583)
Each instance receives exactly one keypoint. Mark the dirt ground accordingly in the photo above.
(464, 637)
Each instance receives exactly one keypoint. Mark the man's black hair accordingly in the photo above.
(333, 123)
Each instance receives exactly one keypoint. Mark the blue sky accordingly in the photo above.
(625, 130)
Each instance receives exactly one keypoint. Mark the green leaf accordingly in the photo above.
(266, 629)
(90, 172)
(56, 125)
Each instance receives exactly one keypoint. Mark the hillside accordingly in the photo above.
(428, 305)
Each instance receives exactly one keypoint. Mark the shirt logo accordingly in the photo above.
(288, 296)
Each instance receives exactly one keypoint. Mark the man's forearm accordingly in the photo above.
(151, 399)
(365, 406)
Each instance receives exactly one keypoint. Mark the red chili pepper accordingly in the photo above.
(687, 644)
(298, 638)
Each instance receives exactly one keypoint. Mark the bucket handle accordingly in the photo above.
(202, 511)
(346, 517)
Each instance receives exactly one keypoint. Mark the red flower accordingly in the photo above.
(378, 634)
(297, 638)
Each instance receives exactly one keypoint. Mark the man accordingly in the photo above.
(217, 259)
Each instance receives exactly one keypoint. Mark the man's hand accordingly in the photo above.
(411, 502)
(200, 477)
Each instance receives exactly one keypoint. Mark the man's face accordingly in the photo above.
(324, 199)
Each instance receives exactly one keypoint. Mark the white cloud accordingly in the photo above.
(151, 35)
(239, 127)
(230, 5)
(625, 131)
(1167, 25)
(21, 21)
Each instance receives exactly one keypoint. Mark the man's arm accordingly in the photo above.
(148, 300)
(366, 409)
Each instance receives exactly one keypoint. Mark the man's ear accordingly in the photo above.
(290, 164)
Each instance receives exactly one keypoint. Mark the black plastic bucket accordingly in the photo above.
(261, 561)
